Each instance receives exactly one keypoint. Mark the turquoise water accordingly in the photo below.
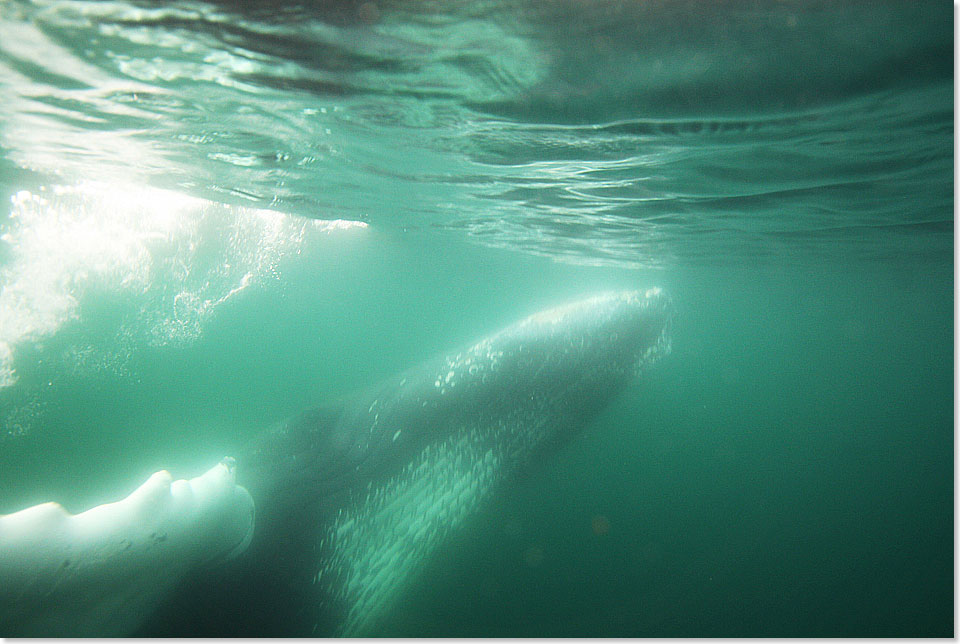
(182, 266)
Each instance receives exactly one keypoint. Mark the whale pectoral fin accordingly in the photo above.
(100, 572)
(296, 473)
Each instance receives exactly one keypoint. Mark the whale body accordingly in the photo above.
(353, 496)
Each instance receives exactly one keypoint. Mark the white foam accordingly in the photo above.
(7, 376)
(178, 257)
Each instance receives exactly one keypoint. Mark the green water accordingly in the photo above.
(783, 171)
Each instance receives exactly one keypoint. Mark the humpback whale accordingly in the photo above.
(351, 497)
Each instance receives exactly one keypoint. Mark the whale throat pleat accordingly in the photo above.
(376, 544)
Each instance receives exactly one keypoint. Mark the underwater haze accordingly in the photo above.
(220, 214)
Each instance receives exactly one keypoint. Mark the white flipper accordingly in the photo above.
(101, 572)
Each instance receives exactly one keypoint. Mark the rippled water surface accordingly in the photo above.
(222, 213)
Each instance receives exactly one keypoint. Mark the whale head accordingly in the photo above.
(560, 366)
(613, 334)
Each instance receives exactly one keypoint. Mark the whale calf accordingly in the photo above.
(353, 496)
